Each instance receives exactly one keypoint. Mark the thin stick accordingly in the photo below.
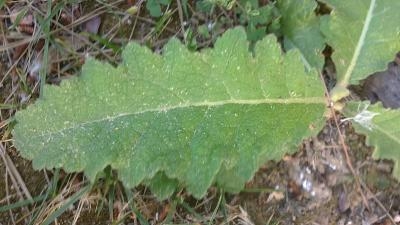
(344, 146)
(8, 198)
(180, 13)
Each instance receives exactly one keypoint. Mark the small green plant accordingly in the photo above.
(258, 20)
(194, 119)
(293, 21)
(155, 7)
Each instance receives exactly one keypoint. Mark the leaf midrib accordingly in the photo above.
(360, 44)
(308, 100)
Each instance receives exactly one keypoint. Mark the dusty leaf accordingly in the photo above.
(184, 118)
(364, 35)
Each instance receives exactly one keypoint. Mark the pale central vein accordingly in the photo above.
(208, 104)
(360, 43)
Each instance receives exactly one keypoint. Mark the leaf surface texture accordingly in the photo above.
(187, 119)
(364, 35)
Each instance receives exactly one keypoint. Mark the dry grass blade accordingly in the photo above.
(379, 203)
(16, 179)
(61, 200)
(240, 217)
(14, 174)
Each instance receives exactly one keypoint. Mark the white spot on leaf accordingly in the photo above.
(364, 117)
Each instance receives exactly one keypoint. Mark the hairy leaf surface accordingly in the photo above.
(364, 35)
(381, 128)
(301, 29)
(180, 118)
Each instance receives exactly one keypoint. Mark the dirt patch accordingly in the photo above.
(315, 186)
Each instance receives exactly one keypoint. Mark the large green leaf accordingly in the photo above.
(192, 118)
(382, 129)
(301, 29)
(364, 34)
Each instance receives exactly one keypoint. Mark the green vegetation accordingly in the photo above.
(193, 96)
